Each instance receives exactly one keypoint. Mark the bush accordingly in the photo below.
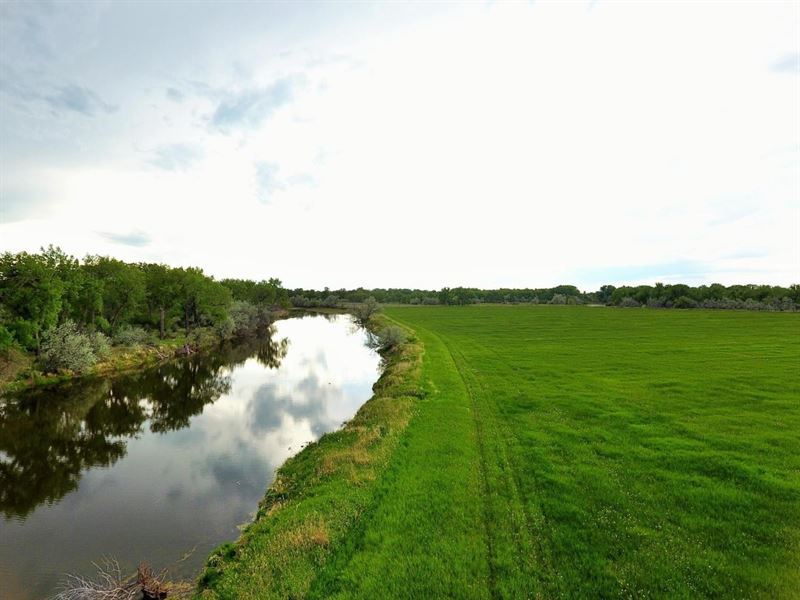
(558, 299)
(685, 302)
(363, 312)
(248, 318)
(628, 302)
(387, 339)
(6, 339)
(331, 302)
(226, 328)
(660, 302)
(66, 348)
(300, 301)
(202, 337)
(101, 344)
(131, 336)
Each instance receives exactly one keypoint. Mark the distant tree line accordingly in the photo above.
(660, 295)
(48, 298)
(57, 306)
(446, 296)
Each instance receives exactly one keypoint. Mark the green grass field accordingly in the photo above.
(569, 452)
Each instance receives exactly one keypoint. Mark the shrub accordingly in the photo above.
(225, 328)
(101, 344)
(131, 336)
(248, 319)
(660, 302)
(243, 316)
(300, 301)
(430, 300)
(387, 339)
(558, 299)
(65, 347)
(6, 339)
(685, 302)
(202, 337)
(628, 302)
(331, 301)
(363, 312)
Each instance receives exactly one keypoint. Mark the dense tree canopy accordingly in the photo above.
(39, 292)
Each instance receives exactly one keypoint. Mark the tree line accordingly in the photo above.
(660, 295)
(104, 296)
(105, 299)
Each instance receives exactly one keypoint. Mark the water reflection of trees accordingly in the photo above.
(49, 437)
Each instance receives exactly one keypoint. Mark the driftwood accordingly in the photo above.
(185, 350)
(111, 584)
(152, 585)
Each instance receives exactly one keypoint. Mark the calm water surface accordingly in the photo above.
(165, 464)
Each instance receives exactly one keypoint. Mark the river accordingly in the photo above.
(163, 465)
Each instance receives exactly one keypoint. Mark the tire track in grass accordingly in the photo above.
(486, 495)
(536, 521)
(519, 554)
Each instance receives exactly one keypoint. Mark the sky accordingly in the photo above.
(485, 144)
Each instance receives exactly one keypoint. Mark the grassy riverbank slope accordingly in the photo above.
(555, 452)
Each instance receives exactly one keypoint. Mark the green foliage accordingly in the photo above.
(39, 291)
(743, 297)
(201, 300)
(132, 336)
(388, 338)
(66, 348)
(100, 343)
(249, 319)
(684, 302)
(123, 288)
(30, 294)
(266, 292)
(6, 339)
(716, 296)
(364, 311)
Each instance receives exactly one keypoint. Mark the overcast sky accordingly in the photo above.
(421, 145)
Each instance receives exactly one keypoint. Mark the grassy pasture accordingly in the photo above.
(579, 452)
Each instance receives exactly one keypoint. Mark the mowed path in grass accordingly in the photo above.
(589, 452)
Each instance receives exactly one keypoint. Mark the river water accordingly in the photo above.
(165, 464)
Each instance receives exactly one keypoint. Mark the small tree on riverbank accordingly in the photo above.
(366, 310)
(387, 339)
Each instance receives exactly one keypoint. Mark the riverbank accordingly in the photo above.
(320, 494)
(18, 370)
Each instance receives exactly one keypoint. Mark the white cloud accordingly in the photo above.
(509, 144)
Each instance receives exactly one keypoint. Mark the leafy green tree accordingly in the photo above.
(31, 293)
(123, 289)
(162, 291)
(202, 300)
